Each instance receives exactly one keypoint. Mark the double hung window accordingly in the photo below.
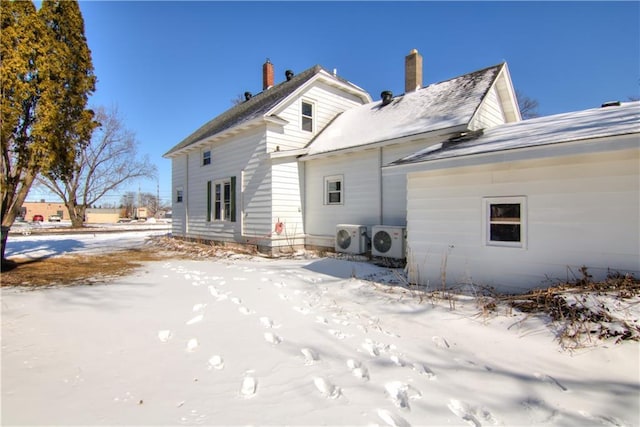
(333, 190)
(307, 116)
(505, 221)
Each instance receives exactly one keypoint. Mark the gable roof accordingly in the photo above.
(257, 106)
(447, 105)
(560, 128)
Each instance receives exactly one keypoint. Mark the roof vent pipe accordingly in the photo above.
(247, 96)
(288, 74)
(387, 97)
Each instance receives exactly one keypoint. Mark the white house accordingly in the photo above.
(484, 197)
(528, 201)
(286, 166)
(350, 153)
(236, 178)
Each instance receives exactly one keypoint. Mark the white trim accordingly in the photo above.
(311, 117)
(487, 222)
(329, 179)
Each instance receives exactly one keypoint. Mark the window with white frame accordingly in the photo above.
(506, 221)
(224, 200)
(179, 194)
(206, 157)
(307, 116)
(333, 190)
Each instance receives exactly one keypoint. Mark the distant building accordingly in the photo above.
(46, 209)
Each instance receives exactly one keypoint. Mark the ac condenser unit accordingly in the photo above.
(351, 239)
(388, 241)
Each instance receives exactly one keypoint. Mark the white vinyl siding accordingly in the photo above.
(490, 113)
(580, 210)
(361, 192)
(328, 103)
(178, 180)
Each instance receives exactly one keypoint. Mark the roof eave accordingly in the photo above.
(434, 134)
(222, 135)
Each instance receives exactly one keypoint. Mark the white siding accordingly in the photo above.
(242, 156)
(490, 112)
(178, 180)
(328, 103)
(361, 193)
(582, 210)
(287, 202)
(371, 197)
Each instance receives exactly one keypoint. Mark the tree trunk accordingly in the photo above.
(76, 213)
(14, 198)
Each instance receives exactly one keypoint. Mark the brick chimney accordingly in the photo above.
(412, 71)
(267, 75)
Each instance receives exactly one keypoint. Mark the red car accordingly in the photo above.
(38, 218)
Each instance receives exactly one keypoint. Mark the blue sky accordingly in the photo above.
(171, 66)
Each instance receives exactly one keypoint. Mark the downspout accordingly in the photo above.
(185, 197)
(380, 187)
(242, 203)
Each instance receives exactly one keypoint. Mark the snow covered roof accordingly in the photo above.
(439, 106)
(257, 106)
(623, 119)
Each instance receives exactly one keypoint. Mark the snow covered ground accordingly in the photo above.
(252, 341)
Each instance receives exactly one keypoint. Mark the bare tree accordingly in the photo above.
(528, 106)
(107, 162)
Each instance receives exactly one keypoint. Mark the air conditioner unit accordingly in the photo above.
(388, 241)
(351, 239)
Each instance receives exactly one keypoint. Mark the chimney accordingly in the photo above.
(267, 75)
(412, 71)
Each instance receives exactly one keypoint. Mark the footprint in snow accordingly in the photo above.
(192, 345)
(320, 319)
(471, 414)
(196, 319)
(216, 362)
(328, 389)
(236, 300)
(400, 393)
(604, 419)
(550, 380)
(283, 297)
(199, 307)
(397, 361)
(338, 334)
(538, 411)
(423, 370)
(248, 387)
(392, 419)
(310, 356)
(272, 338)
(268, 323)
(246, 311)
(358, 370)
(164, 335)
(302, 310)
(440, 342)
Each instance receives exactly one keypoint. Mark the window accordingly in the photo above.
(224, 200)
(179, 195)
(307, 116)
(206, 157)
(506, 221)
(333, 190)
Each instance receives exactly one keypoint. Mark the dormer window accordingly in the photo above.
(307, 116)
